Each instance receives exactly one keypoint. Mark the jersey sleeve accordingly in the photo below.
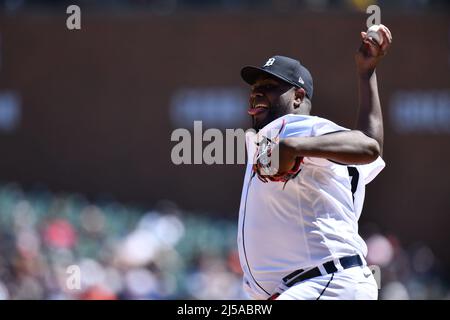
(312, 126)
(296, 127)
(309, 126)
(368, 171)
(323, 126)
(371, 170)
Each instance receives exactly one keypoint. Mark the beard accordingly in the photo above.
(274, 112)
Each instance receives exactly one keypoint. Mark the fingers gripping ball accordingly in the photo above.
(374, 33)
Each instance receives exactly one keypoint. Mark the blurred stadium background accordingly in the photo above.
(86, 117)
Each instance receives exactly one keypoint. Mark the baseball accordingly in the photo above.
(375, 33)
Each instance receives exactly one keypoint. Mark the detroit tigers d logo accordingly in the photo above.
(269, 62)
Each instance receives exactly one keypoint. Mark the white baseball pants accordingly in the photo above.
(355, 283)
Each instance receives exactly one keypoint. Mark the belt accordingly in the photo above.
(328, 267)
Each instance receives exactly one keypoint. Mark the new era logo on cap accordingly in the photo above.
(284, 68)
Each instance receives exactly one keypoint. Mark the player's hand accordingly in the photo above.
(370, 52)
(286, 154)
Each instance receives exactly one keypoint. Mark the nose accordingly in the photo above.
(255, 93)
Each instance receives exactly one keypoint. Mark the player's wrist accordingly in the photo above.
(291, 147)
(365, 73)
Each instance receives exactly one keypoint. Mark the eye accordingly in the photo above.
(268, 86)
(264, 87)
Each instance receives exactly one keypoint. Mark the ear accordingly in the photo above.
(300, 94)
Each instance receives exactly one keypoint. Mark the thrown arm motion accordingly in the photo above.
(359, 146)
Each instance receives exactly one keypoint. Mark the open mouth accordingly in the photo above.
(257, 109)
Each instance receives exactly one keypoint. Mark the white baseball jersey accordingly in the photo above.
(310, 221)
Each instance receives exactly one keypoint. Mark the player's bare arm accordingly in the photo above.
(370, 119)
(359, 146)
(347, 147)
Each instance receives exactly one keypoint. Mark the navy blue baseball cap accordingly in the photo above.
(284, 68)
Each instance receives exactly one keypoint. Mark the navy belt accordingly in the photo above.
(330, 267)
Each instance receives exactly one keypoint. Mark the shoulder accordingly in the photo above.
(323, 126)
(308, 125)
(306, 120)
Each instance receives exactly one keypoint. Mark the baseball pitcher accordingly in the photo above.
(304, 184)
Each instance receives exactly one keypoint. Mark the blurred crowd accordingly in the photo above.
(120, 251)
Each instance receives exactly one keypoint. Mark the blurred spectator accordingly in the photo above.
(127, 253)
(122, 252)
